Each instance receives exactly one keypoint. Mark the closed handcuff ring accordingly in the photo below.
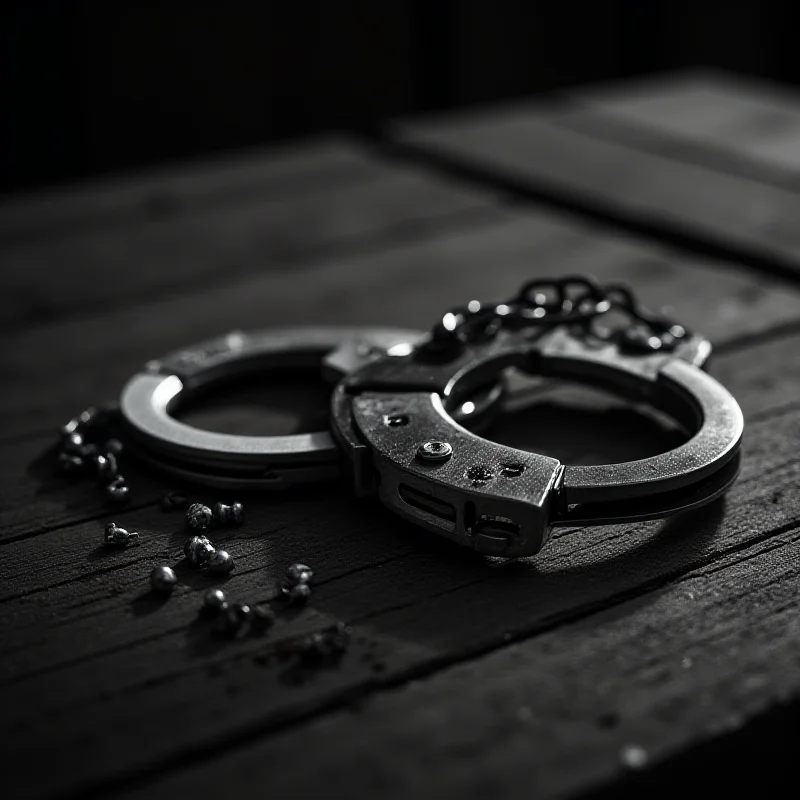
(223, 460)
(393, 418)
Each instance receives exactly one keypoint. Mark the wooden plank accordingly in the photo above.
(394, 287)
(167, 234)
(746, 119)
(707, 278)
(739, 200)
(691, 663)
(87, 651)
(417, 605)
(181, 187)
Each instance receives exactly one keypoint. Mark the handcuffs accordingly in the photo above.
(151, 397)
(404, 404)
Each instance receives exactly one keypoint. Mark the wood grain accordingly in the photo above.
(568, 711)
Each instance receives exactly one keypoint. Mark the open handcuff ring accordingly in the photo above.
(151, 397)
(393, 419)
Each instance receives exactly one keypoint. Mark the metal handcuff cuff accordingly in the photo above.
(393, 419)
(150, 398)
(404, 402)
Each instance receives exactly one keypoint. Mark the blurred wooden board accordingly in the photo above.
(177, 231)
(704, 158)
(736, 123)
(465, 676)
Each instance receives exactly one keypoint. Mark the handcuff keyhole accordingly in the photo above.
(512, 470)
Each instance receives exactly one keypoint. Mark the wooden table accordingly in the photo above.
(621, 659)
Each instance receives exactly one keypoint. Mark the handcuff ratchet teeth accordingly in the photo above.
(393, 419)
(151, 397)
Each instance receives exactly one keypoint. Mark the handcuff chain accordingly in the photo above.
(573, 300)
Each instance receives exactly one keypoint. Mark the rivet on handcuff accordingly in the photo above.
(406, 407)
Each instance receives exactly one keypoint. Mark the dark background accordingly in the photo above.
(90, 88)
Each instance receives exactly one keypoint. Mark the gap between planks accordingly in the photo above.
(576, 203)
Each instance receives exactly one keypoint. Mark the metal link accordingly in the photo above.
(547, 302)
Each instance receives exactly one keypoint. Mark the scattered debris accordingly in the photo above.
(118, 490)
(115, 536)
(213, 602)
(163, 580)
(229, 515)
(298, 595)
(86, 450)
(198, 516)
(221, 562)
(308, 654)
(198, 550)
(296, 586)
